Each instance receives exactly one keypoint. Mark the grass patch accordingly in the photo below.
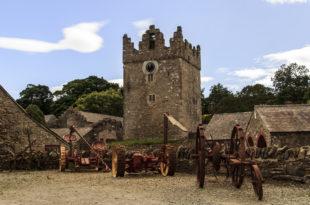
(142, 142)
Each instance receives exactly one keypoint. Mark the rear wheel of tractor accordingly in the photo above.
(118, 161)
(167, 168)
(62, 159)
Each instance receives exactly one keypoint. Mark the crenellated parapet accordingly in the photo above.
(152, 47)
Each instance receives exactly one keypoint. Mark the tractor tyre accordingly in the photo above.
(168, 166)
(62, 159)
(118, 161)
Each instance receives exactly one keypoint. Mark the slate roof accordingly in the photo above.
(96, 117)
(64, 131)
(285, 118)
(221, 125)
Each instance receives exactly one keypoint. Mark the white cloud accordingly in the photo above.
(286, 1)
(265, 81)
(300, 56)
(81, 37)
(206, 79)
(142, 25)
(118, 81)
(232, 87)
(253, 73)
(55, 88)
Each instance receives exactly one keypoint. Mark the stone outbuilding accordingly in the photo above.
(92, 126)
(221, 125)
(20, 133)
(280, 125)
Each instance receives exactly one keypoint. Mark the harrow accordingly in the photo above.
(233, 158)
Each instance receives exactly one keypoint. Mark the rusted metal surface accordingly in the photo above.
(233, 158)
(72, 157)
(165, 162)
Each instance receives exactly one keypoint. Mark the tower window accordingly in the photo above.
(151, 98)
(152, 41)
(150, 77)
(150, 67)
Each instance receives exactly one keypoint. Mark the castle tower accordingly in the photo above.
(159, 79)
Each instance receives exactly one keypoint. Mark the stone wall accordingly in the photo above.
(19, 133)
(175, 84)
(291, 139)
(256, 127)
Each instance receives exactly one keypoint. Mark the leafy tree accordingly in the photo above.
(291, 83)
(217, 92)
(76, 88)
(35, 112)
(228, 104)
(106, 102)
(255, 95)
(39, 95)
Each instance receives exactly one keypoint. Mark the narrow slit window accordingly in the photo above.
(151, 98)
(152, 41)
(150, 77)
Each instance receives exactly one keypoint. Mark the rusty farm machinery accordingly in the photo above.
(165, 162)
(70, 156)
(232, 157)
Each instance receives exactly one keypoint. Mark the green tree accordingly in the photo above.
(291, 83)
(76, 88)
(255, 95)
(108, 102)
(35, 112)
(39, 95)
(217, 92)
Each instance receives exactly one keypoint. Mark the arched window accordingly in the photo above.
(250, 141)
(261, 141)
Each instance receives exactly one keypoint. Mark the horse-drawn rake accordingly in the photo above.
(165, 162)
(233, 158)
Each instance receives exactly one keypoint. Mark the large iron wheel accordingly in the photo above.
(167, 167)
(62, 159)
(257, 180)
(118, 161)
(237, 175)
(200, 153)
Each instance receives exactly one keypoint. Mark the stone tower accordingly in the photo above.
(159, 79)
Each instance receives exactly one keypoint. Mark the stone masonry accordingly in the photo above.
(159, 79)
(20, 133)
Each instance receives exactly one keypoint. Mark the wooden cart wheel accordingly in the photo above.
(62, 159)
(237, 175)
(168, 166)
(118, 161)
(257, 180)
(200, 152)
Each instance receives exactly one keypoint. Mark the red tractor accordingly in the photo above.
(96, 161)
(165, 162)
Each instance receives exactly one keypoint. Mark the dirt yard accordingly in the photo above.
(53, 187)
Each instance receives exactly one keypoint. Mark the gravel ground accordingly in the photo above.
(53, 187)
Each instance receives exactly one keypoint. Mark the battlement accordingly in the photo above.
(152, 47)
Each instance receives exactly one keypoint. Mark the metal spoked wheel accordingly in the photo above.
(237, 175)
(62, 159)
(167, 167)
(200, 153)
(118, 161)
(257, 181)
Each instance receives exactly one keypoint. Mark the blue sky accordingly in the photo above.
(242, 41)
